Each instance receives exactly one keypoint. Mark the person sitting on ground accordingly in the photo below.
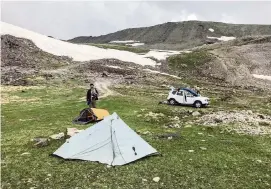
(92, 96)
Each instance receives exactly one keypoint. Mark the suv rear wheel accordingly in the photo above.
(172, 101)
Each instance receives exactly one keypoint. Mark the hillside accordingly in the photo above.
(179, 35)
(27, 60)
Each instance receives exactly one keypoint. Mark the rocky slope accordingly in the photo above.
(179, 35)
(23, 63)
(242, 62)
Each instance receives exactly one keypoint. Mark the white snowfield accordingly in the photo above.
(75, 51)
(211, 30)
(222, 38)
(266, 77)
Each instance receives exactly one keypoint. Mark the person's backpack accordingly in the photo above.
(95, 96)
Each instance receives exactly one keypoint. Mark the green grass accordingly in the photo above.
(230, 160)
(120, 47)
(189, 61)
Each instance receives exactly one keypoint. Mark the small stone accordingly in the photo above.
(187, 126)
(203, 140)
(203, 148)
(259, 161)
(249, 112)
(156, 179)
(261, 116)
(49, 175)
(25, 153)
(190, 159)
(190, 151)
(105, 74)
(200, 133)
(169, 138)
(108, 166)
(144, 180)
(146, 132)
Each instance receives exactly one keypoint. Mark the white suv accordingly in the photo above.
(186, 96)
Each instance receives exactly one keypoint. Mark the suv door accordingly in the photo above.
(188, 98)
(179, 97)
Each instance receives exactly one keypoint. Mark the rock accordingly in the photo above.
(108, 166)
(144, 180)
(261, 116)
(259, 161)
(129, 77)
(105, 74)
(200, 133)
(190, 151)
(196, 113)
(217, 120)
(72, 131)
(57, 136)
(250, 112)
(169, 138)
(41, 142)
(146, 132)
(169, 135)
(187, 126)
(25, 153)
(156, 179)
(203, 140)
(203, 148)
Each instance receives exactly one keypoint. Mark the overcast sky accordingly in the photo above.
(66, 20)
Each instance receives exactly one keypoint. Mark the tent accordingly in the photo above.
(109, 141)
(89, 115)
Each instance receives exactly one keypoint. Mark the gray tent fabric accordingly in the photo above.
(110, 141)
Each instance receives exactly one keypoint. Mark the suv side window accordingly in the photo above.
(188, 94)
(174, 92)
(180, 93)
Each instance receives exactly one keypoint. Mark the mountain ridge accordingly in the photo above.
(179, 35)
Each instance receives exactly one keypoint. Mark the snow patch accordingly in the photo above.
(116, 67)
(75, 51)
(222, 38)
(135, 44)
(127, 41)
(160, 54)
(266, 77)
(211, 30)
(154, 71)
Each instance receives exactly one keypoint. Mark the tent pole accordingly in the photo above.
(111, 131)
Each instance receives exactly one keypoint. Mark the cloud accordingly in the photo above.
(227, 19)
(185, 16)
(68, 19)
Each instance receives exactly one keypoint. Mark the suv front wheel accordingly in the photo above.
(198, 104)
